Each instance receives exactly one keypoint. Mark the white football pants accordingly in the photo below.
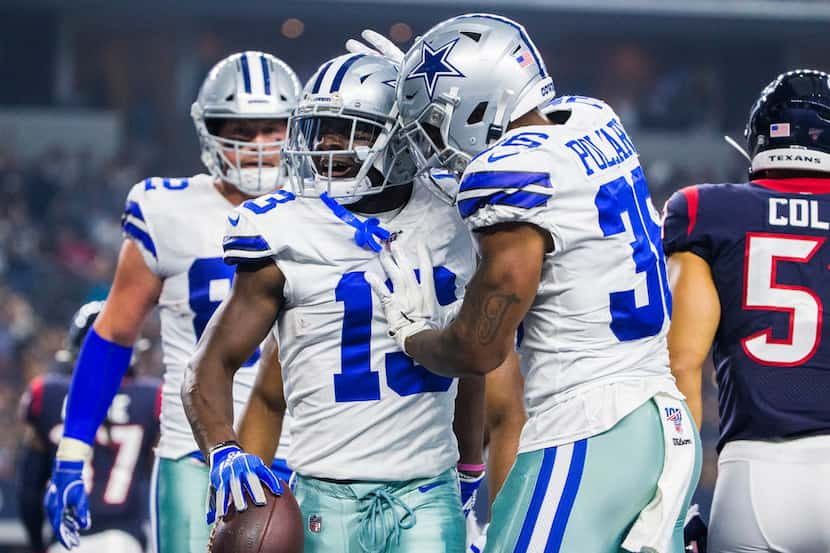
(772, 497)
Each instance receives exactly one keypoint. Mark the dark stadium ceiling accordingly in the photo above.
(780, 10)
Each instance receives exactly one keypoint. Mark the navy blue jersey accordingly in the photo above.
(765, 244)
(118, 482)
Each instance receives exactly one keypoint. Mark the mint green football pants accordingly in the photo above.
(177, 503)
(584, 497)
(416, 516)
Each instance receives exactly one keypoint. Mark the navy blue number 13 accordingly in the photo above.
(628, 321)
(357, 381)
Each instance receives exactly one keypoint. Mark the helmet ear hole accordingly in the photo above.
(477, 115)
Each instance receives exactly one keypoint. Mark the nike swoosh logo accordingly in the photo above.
(494, 157)
(425, 489)
(233, 221)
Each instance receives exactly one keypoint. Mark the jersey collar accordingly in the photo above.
(796, 186)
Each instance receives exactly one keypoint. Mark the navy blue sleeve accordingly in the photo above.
(681, 229)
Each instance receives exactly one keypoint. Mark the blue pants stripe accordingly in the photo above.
(536, 501)
(566, 502)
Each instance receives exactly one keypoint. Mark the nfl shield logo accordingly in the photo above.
(315, 523)
(675, 415)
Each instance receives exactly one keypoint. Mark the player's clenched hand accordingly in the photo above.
(411, 306)
(232, 473)
(66, 502)
(379, 45)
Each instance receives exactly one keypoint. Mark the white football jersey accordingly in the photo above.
(361, 409)
(593, 344)
(178, 225)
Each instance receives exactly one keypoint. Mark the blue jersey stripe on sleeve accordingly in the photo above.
(237, 260)
(141, 235)
(132, 208)
(521, 199)
(245, 243)
(504, 179)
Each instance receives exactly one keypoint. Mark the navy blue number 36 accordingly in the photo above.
(357, 381)
(629, 322)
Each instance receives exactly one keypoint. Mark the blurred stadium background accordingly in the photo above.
(95, 95)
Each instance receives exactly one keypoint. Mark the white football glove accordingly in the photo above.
(411, 307)
(379, 45)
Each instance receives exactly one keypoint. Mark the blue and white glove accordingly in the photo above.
(469, 489)
(379, 45)
(232, 473)
(66, 503)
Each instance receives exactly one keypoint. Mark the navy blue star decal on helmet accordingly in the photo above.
(434, 64)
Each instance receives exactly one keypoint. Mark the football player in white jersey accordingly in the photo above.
(172, 258)
(570, 250)
(373, 446)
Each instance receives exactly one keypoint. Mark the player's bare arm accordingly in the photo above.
(497, 299)
(135, 292)
(695, 319)
(468, 424)
(505, 417)
(261, 425)
(231, 337)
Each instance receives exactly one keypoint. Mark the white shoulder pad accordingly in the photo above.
(251, 235)
(586, 113)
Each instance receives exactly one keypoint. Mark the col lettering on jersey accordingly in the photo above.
(361, 408)
(594, 345)
(766, 245)
(178, 226)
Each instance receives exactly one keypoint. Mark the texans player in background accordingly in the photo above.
(118, 475)
(171, 257)
(750, 274)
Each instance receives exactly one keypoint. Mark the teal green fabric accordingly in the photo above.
(180, 499)
(416, 516)
(618, 479)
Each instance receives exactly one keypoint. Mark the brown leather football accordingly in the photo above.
(276, 527)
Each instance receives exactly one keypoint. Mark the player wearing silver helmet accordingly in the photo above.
(373, 444)
(570, 250)
(172, 258)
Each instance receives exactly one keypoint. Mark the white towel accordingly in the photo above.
(652, 532)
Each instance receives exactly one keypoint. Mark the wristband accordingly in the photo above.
(70, 449)
(464, 467)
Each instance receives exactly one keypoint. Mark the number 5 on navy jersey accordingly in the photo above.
(357, 381)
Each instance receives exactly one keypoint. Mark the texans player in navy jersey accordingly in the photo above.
(749, 270)
(117, 478)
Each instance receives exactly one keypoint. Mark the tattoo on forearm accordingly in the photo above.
(492, 309)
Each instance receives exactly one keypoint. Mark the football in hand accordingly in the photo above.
(276, 527)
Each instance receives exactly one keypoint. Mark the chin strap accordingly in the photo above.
(365, 231)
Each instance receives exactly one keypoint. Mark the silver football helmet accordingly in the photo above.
(250, 85)
(342, 138)
(462, 83)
